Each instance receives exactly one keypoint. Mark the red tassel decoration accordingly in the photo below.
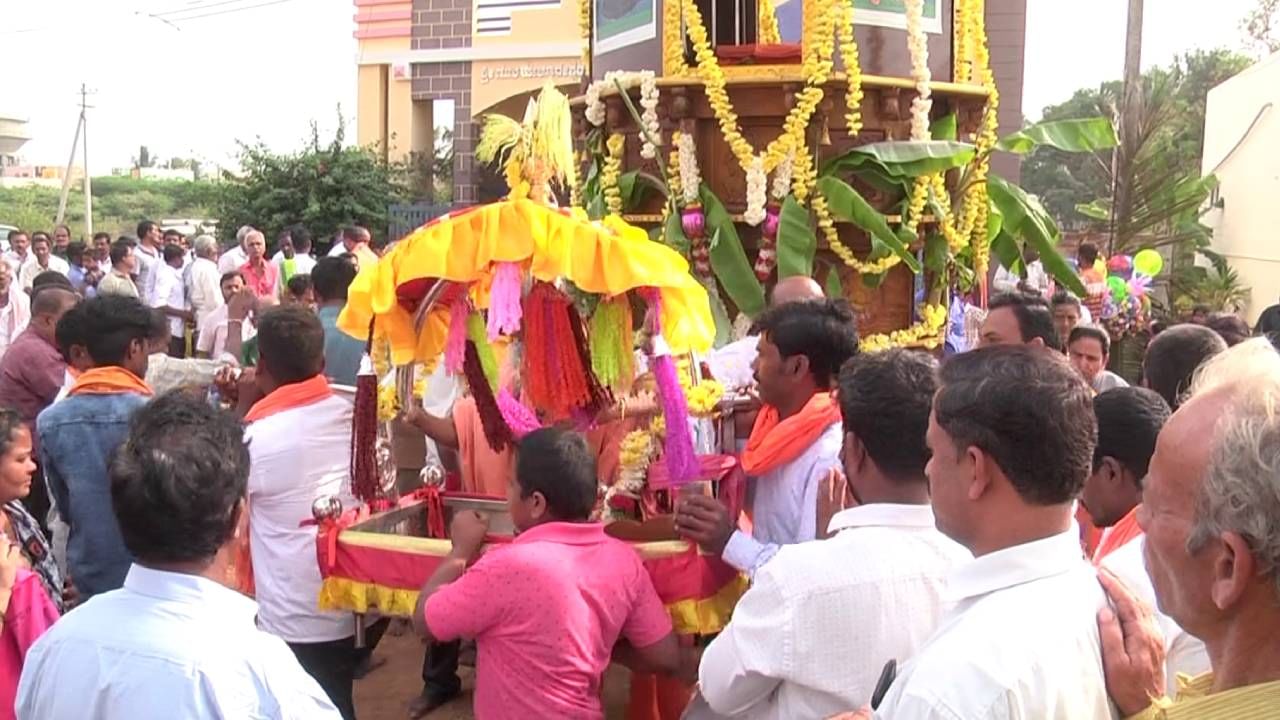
(495, 428)
(364, 430)
(598, 397)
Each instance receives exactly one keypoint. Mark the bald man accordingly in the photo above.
(731, 364)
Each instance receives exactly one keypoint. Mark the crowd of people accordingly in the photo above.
(1011, 531)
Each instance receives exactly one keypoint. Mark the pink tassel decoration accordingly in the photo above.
(504, 301)
(455, 344)
(677, 448)
(520, 419)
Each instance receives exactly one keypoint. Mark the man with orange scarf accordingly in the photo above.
(796, 440)
(1129, 420)
(299, 436)
(79, 433)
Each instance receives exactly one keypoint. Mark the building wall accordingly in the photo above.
(1007, 40)
(1242, 147)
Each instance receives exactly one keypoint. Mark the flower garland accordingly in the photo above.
(757, 192)
(636, 453)
(584, 29)
(648, 83)
(828, 227)
(816, 69)
(687, 159)
(926, 333)
(767, 32)
(973, 222)
(852, 68)
(610, 172)
(918, 44)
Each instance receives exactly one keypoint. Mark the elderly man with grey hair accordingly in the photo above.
(203, 278)
(1211, 512)
(237, 256)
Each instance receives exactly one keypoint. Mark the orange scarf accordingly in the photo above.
(288, 397)
(110, 380)
(1121, 533)
(775, 442)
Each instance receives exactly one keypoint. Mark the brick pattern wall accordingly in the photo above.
(440, 25)
(1006, 36)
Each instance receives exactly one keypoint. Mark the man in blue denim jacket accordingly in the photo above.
(79, 434)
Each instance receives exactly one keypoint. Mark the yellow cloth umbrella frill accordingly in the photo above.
(607, 258)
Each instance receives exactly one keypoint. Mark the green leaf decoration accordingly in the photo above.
(936, 252)
(944, 128)
(847, 204)
(719, 314)
(833, 287)
(1087, 135)
(729, 260)
(635, 185)
(1025, 218)
(796, 241)
(673, 234)
(913, 158)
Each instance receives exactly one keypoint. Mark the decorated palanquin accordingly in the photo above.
(539, 310)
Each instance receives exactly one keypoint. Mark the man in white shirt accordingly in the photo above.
(43, 261)
(236, 257)
(796, 440)
(211, 340)
(174, 642)
(170, 296)
(203, 279)
(299, 437)
(19, 252)
(1089, 348)
(149, 258)
(1012, 436)
(1036, 281)
(811, 636)
(15, 309)
(731, 365)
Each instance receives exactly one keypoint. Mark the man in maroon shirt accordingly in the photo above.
(33, 371)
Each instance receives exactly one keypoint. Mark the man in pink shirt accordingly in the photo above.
(547, 610)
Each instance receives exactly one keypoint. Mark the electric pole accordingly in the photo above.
(1130, 117)
(82, 129)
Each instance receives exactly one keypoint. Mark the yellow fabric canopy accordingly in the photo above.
(608, 258)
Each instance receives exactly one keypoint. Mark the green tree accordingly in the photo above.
(1064, 180)
(325, 186)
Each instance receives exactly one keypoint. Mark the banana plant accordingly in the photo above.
(1015, 218)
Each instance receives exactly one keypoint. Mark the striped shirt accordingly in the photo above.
(1196, 702)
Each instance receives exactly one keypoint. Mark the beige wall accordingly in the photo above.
(1242, 147)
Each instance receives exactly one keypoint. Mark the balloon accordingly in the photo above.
(1120, 266)
(1119, 291)
(1148, 262)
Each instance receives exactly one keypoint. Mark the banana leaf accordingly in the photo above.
(1005, 249)
(728, 259)
(1026, 219)
(635, 185)
(869, 170)
(1096, 210)
(796, 241)
(673, 235)
(719, 314)
(913, 158)
(936, 252)
(847, 204)
(944, 128)
(1088, 135)
(833, 287)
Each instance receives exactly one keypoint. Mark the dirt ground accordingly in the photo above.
(385, 693)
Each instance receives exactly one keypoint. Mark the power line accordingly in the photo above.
(196, 6)
(229, 11)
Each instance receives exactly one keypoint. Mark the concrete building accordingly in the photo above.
(1242, 148)
(13, 135)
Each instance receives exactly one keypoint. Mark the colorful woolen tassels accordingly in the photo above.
(495, 428)
(557, 364)
(519, 418)
(677, 448)
(504, 301)
(611, 343)
(455, 342)
(476, 336)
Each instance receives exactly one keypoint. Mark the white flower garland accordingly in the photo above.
(690, 178)
(757, 187)
(918, 44)
(648, 103)
(782, 177)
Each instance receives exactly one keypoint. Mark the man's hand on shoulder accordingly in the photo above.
(704, 520)
(1132, 648)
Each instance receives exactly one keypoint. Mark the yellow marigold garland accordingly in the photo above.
(816, 69)
(767, 23)
(927, 333)
(973, 222)
(610, 172)
(584, 28)
(852, 67)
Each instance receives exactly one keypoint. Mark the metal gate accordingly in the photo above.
(404, 218)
